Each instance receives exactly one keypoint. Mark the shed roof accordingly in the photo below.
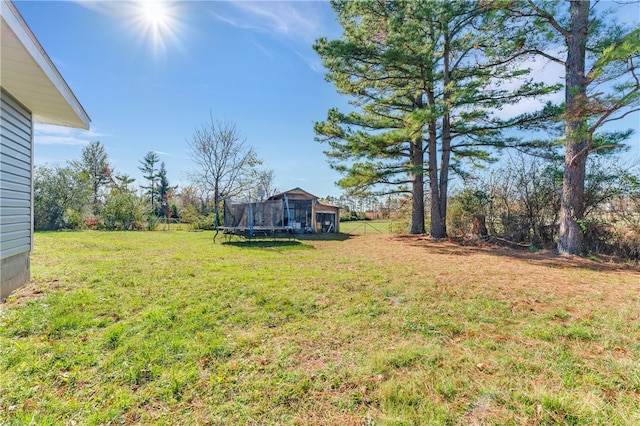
(29, 75)
(296, 190)
(326, 207)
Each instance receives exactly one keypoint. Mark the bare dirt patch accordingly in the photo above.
(33, 290)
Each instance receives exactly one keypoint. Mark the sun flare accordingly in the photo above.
(155, 12)
(155, 22)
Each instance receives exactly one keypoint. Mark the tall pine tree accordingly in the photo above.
(94, 164)
(149, 169)
(426, 82)
(165, 192)
(602, 84)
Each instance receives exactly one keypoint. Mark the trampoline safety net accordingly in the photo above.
(268, 214)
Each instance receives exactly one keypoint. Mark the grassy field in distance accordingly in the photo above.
(364, 227)
(377, 329)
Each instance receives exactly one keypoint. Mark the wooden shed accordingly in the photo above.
(307, 214)
(31, 90)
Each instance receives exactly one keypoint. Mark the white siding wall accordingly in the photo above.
(15, 178)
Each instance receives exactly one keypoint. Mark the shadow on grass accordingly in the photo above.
(292, 241)
(282, 239)
(323, 237)
(454, 247)
(262, 244)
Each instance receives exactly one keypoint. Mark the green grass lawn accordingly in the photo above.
(169, 328)
(365, 227)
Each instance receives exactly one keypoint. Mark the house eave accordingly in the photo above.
(29, 75)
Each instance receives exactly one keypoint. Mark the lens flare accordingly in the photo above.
(155, 13)
(155, 22)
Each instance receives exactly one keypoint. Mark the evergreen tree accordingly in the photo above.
(602, 84)
(121, 182)
(95, 165)
(424, 78)
(165, 192)
(150, 173)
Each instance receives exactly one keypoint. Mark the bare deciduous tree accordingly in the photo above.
(223, 158)
(263, 180)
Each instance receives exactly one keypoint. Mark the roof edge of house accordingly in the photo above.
(12, 17)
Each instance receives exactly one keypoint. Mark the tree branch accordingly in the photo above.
(549, 18)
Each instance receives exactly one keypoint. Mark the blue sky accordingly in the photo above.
(148, 87)
(248, 63)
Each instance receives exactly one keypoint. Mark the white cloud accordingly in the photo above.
(297, 23)
(313, 61)
(542, 71)
(300, 21)
(47, 134)
(102, 7)
(163, 153)
(262, 49)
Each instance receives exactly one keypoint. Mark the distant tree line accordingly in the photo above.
(89, 193)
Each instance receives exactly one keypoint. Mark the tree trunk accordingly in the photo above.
(436, 228)
(478, 227)
(417, 208)
(439, 211)
(440, 185)
(571, 238)
(417, 170)
(417, 212)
